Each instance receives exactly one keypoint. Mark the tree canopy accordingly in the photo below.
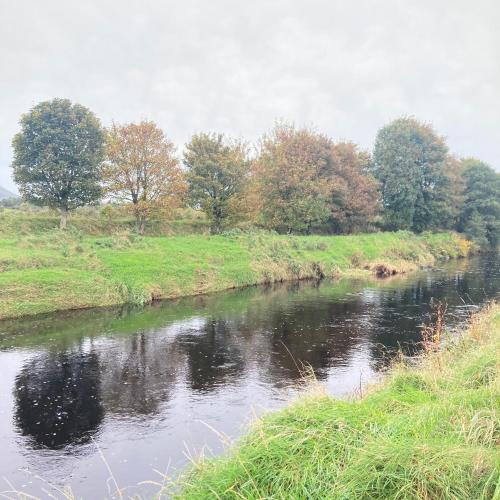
(58, 155)
(309, 183)
(408, 158)
(480, 213)
(218, 169)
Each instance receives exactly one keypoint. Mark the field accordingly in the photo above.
(44, 269)
(428, 432)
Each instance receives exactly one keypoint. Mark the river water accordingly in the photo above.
(142, 391)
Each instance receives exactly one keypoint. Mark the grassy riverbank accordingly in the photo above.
(54, 270)
(429, 432)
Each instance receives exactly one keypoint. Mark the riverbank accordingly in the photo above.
(429, 431)
(56, 270)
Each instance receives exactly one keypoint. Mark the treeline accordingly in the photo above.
(294, 180)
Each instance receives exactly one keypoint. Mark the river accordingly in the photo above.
(142, 391)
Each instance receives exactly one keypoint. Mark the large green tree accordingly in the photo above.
(217, 169)
(58, 155)
(447, 195)
(408, 160)
(480, 213)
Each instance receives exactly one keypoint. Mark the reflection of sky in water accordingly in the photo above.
(148, 386)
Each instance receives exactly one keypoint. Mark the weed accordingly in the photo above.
(432, 333)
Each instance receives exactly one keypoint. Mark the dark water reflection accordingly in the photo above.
(58, 399)
(145, 386)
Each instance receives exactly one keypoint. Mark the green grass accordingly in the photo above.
(53, 270)
(429, 432)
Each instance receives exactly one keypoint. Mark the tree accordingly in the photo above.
(480, 212)
(58, 155)
(447, 198)
(354, 199)
(141, 169)
(217, 172)
(288, 170)
(408, 156)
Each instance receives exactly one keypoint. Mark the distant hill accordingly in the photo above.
(6, 194)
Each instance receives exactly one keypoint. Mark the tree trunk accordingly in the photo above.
(64, 219)
(215, 227)
(141, 225)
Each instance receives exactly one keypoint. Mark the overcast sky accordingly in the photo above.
(347, 67)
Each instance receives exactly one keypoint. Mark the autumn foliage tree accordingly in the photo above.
(354, 197)
(143, 171)
(287, 173)
(217, 171)
(307, 182)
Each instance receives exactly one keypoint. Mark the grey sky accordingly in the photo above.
(346, 67)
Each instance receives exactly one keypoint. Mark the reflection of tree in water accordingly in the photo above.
(213, 356)
(395, 325)
(58, 399)
(297, 325)
(138, 374)
(315, 333)
(279, 336)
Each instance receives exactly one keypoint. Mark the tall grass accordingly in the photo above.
(429, 432)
